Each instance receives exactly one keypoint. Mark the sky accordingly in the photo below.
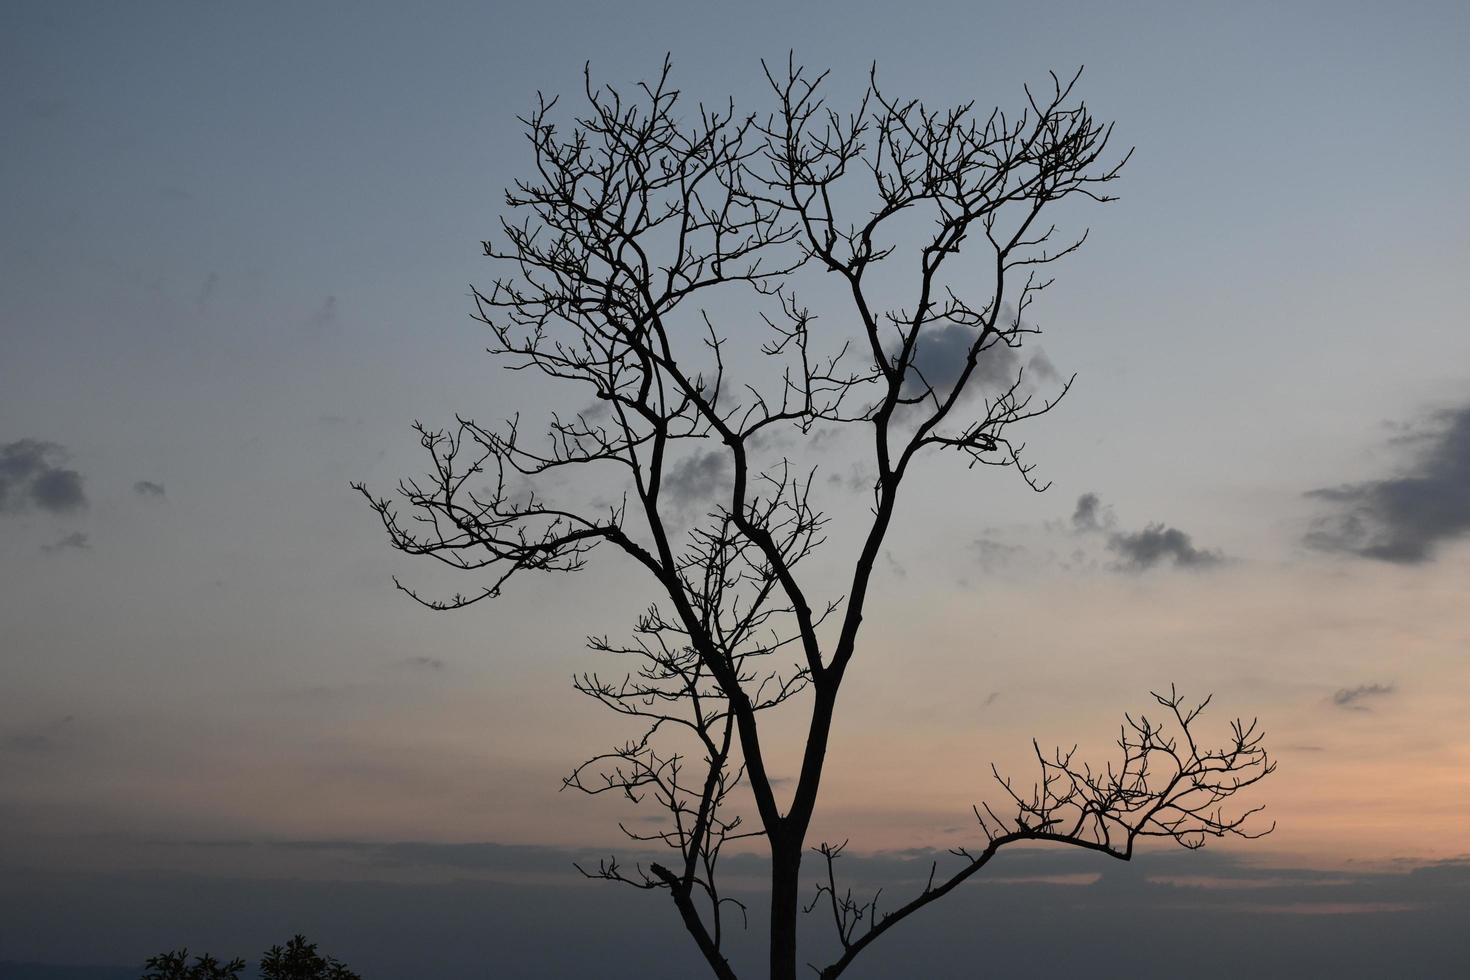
(237, 248)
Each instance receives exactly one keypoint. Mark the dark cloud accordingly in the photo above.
(1404, 519)
(696, 478)
(1091, 515)
(32, 475)
(58, 490)
(1139, 551)
(147, 488)
(1352, 698)
(1156, 545)
(939, 357)
(431, 663)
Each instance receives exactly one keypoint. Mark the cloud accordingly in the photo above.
(695, 478)
(31, 475)
(939, 357)
(33, 742)
(1156, 544)
(1351, 698)
(206, 292)
(432, 663)
(993, 554)
(857, 477)
(1041, 367)
(27, 742)
(326, 314)
(1405, 518)
(1139, 551)
(1090, 515)
(147, 488)
(75, 541)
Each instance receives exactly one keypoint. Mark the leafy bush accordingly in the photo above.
(297, 960)
(174, 965)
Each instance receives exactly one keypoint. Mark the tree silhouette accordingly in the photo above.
(646, 230)
(297, 960)
(175, 965)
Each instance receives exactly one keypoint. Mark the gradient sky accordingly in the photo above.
(236, 249)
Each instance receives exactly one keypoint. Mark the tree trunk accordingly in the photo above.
(785, 886)
(788, 839)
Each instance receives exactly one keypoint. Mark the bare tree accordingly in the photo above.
(638, 220)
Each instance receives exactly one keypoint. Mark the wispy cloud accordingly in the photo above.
(147, 488)
(696, 478)
(994, 554)
(75, 541)
(326, 314)
(27, 742)
(206, 292)
(1352, 698)
(36, 741)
